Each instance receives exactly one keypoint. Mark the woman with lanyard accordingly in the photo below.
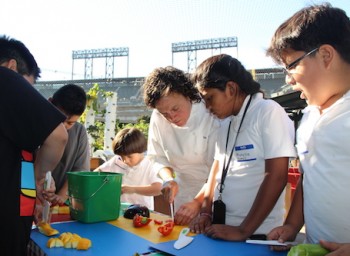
(245, 189)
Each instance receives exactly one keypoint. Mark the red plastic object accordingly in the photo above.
(293, 178)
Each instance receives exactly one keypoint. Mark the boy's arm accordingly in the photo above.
(293, 222)
(275, 180)
(150, 190)
(48, 156)
(295, 216)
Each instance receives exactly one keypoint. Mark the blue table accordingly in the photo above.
(108, 240)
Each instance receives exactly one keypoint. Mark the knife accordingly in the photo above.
(183, 239)
(270, 242)
(46, 208)
(172, 211)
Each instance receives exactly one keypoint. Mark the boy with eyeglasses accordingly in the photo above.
(314, 46)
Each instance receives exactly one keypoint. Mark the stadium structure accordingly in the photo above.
(130, 105)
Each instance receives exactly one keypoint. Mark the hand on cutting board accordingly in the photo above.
(225, 232)
(282, 234)
(199, 224)
(187, 212)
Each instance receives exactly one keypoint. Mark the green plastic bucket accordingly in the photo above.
(94, 196)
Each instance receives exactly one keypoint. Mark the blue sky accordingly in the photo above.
(53, 29)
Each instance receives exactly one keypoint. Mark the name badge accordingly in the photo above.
(244, 153)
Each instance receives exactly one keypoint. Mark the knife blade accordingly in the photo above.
(47, 204)
(270, 242)
(172, 211)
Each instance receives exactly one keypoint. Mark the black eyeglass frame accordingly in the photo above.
(294, 63)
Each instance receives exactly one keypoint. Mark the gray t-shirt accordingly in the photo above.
(76, 156)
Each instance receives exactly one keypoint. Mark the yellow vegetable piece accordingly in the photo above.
(64, 209)
(58, 242)
(54, 242)
(76, 236)
(51, 243)
(75, 242)
(69, 240)
(54, 209)
(46, 229)
(84, 244)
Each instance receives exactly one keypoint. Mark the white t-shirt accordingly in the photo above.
(142, 174)
(323, 143)
(189, 150)
(266, 132)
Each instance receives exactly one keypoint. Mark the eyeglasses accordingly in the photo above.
(296, 62)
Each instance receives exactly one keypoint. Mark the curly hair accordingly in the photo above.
(163, 81)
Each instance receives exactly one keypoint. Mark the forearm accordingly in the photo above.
(50, 152)
(63, 193)
(166, 174)
(199, 198)
(295, 216)
(208, 189)
(149, 190)
(266, 198)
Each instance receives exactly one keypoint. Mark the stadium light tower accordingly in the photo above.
(191, 47)
(108, 53)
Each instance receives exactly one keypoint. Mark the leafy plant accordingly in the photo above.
(96, 131)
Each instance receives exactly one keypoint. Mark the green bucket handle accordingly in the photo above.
(105, 181)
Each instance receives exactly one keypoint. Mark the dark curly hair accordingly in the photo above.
(163, 81)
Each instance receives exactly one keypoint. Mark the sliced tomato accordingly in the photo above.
(158, 222)
(166, 228)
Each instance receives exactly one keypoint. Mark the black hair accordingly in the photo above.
(71, 99)
(217, 70)
(13, 49)
(310, 28)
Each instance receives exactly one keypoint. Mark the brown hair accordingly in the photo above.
(163, 81)
(129, 141)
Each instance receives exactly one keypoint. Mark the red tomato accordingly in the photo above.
(166, 228)
(140, 221)
(158, 222)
